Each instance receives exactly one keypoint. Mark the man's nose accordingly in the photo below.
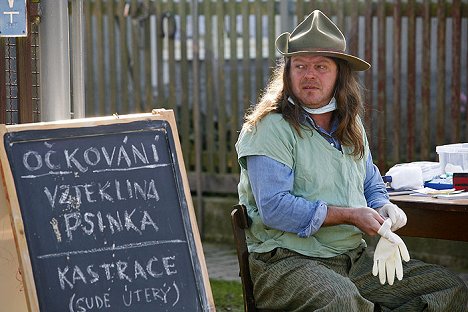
(310, 73)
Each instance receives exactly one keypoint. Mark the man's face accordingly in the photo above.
(313, 79)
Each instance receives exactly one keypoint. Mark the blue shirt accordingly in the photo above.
(272, 183)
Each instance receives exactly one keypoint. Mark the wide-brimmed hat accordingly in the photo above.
(318, 35)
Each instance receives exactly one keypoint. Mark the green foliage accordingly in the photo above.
(227, 295)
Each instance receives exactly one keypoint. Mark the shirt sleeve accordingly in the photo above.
(375, 191)
(272, 183)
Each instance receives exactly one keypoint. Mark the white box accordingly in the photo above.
(453, 157)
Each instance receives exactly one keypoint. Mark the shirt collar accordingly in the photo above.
(334, 124)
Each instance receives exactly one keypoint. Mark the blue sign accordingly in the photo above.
(13, 18)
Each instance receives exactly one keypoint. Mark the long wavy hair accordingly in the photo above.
(348, 95)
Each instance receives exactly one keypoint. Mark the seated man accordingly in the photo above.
(312, 190)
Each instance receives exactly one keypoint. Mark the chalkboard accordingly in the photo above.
(106, 216)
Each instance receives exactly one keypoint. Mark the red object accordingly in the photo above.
(460, 181)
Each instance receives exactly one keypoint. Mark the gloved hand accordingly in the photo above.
(388, 254)
(393, 212)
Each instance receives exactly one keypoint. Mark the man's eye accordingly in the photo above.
(300, 66)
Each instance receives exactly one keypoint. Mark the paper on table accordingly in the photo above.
(427, 191)
(460, 195)
(396, 193)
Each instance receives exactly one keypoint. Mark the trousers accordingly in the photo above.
(287, 281)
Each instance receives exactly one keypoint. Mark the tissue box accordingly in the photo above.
(453, 157)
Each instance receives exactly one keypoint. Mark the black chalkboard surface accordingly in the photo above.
(106, 217)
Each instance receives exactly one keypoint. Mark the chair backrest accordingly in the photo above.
(240, 222)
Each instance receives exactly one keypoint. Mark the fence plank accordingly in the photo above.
(381, 85)
(234, 98)
(98, 12)
(455, 90)
(258, 49)
(89, 83)
(220, 82)
(426, 81)
(440, 109)
(170, 39)
(313, 5)
(135, 57)
(354, 28)
(300, 11)
(148, 102)
(184, 82)
(123, 90)
(161, 98)
(271, 38)
(210, 90)
(112, 63)
(396, 80)
(246, 54)
(411, 65)
(196, 113)
(328, 7)
(339, 11)
(368, 74)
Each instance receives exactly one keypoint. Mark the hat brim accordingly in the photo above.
(356, 63)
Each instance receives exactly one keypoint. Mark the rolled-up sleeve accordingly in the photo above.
(375, 191)
(272, 183)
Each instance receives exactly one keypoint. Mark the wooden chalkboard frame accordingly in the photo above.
(17, 219)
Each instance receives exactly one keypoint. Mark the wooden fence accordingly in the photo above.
(210, 69)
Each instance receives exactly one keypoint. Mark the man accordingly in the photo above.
(311, 190)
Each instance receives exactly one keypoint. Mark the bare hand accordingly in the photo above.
(365, 218)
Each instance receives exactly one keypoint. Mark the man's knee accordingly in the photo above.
(350, 297)
(341, 295)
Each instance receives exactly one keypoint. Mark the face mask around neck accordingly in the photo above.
(330, 107)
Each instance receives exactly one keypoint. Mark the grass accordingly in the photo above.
(227, 295)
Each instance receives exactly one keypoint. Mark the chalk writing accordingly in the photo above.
(54, 224)
(90, 223)
(83, 304)
(151, 294)
(110, 248)
(121, 270)
(80, 160)
(108, 191)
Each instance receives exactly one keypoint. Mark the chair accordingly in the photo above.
(240, 221)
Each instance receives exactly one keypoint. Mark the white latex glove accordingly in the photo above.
(396, 214)
(388, 254)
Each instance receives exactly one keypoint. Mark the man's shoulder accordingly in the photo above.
(270, 122)
(270, 117)
(271, 128)
(273, 120)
